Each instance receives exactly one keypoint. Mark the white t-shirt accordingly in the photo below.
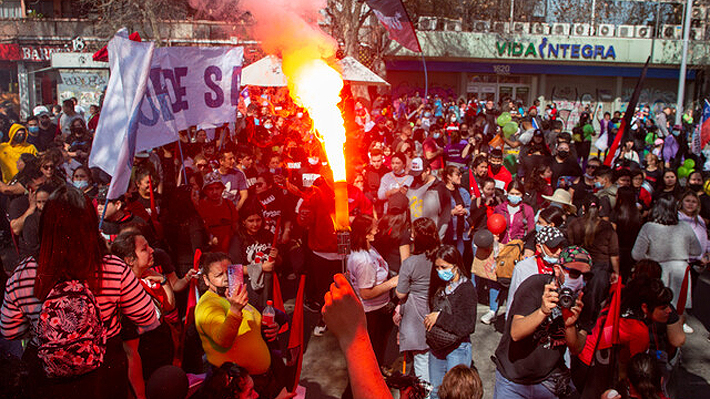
(367, 270)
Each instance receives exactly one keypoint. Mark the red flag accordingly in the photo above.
(278, 298)
(102, 54)
(630, 110)
(192, 293)
(705, 125)
(295, 339)
(683, 294)
(609, 335)
(395, 19)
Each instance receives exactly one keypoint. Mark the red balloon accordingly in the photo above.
(497, 224)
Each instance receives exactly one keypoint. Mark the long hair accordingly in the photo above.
(70, 246)
(665, 211)
(361, 227)
(426, 237)
(645, 376)
(628, 215)
(535, 182)
(553, 215)
(516, 184)
(461, 382)
(690, 193)
(452, 256)
(393, 226)
(591, 219)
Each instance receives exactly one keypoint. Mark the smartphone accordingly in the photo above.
(235, 274)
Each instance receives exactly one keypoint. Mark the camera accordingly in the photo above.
(567, 297)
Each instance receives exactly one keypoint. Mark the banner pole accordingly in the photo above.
(426, 78)
(182, 161)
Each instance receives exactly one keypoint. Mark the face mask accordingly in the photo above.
(427, 114)
(575, 284)
(268, 126)
(299, 115)
(550, 260)
(588, 176)
(313, 160)
(445, 274)
(436, 136)
(514, 199)
(495, 167)
(563, 154)
(19, 137)
(598, 184)
(538, 227)
(33, 129)
(453, 119)
(695, 187)
(80, 184)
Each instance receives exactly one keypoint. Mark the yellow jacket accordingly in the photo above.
(10, 154)
(248, 348)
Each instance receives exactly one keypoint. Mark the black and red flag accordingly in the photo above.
(625, 124)
(394, 17)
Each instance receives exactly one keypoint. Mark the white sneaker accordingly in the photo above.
(687, 329)
(489, 317)
(318, 331)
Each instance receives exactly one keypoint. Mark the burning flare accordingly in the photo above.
(316, 86)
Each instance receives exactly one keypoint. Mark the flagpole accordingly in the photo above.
(103, 214)
(182, 161)
(426, 78)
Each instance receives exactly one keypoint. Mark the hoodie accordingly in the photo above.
(9, 154)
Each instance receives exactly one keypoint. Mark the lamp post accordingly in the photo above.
(683, 61)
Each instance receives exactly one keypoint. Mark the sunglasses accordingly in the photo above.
(201, 165)
(48, 167)
(259, 184)
(574, 273)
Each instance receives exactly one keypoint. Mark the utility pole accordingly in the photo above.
(683, 62)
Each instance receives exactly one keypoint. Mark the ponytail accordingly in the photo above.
(591, 220)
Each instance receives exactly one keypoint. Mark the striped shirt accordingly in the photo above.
(121, 294)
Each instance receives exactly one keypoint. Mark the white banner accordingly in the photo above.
(188, 86)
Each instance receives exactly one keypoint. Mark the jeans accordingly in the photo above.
(493, 291)
(438, 367)
(506, 389)
(421, 364)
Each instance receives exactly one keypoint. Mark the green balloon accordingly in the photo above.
(650, 138)
(689, 163)
(509, 129)
(588, 129)
(684, 171)
(504, 119)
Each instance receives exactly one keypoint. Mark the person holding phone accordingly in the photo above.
(230, 328)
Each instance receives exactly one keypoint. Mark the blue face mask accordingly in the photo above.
(445, 274)
(437, 135)
(427, 114)
(598, 184)
(538, 227)
(550, 260)
(514, 199)
(33, 129)
(80, 184)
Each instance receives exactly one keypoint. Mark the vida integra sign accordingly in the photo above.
(551, 50)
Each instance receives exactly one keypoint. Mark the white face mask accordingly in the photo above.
(576, 284)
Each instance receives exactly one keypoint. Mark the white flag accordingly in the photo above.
(115, 139)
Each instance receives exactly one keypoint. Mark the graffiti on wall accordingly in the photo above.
(657, 99)
(571, 104)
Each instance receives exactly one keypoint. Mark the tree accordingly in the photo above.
(143, 16)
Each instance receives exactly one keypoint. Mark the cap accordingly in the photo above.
(576, 257)
(212, 178)
(550, 236)
(418, 166)
(40, 110)
(483, 239)
(397, 203)
(496, 153)
(538, 132)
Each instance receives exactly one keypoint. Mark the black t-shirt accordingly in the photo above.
(531, 359)
(569, 167)
(18, 206)
(276, 206)
(705, 206)
(388, 246)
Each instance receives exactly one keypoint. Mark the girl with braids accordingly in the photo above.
(412, 289)
(597, 236)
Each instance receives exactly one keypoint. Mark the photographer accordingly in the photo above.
(529, 358)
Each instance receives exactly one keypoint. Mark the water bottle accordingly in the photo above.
(268, 314)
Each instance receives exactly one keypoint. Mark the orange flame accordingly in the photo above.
(316, 86)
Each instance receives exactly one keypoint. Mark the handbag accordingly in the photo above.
(438, 339)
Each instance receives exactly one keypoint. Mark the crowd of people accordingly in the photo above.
(449, 208)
